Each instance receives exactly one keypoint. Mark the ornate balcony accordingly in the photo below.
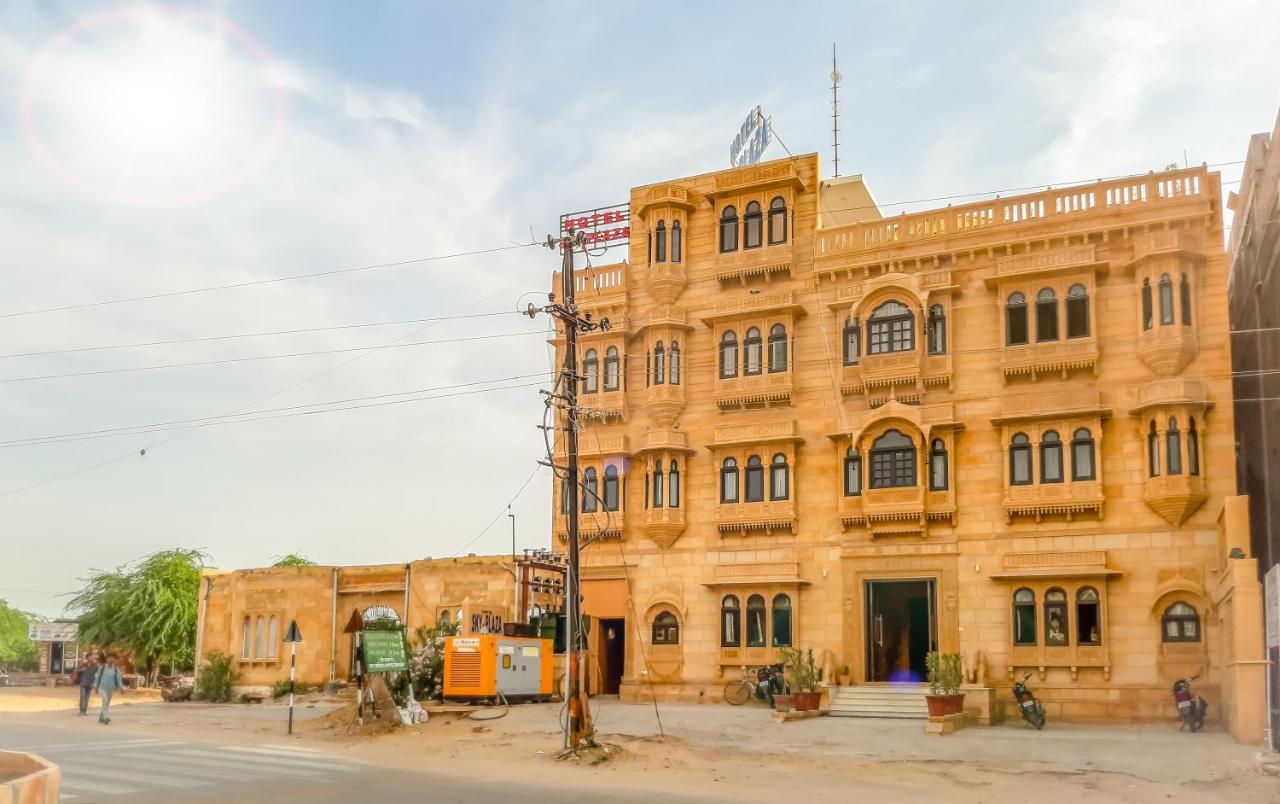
(1051, 357)
(591, 527)
(663, 525)
(1053, 499)
(1175, 497)
(664, 403)
(755, 390)
(767, 262)
(1167, 349)
(764, 517)
(894, 512)
(667, 280)
(605, 406)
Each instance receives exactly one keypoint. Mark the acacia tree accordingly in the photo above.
(147, 607)
(16, 651)
(294, 560)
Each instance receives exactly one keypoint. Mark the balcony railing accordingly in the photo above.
(767, 516)
(1054, 499)
(755, 389)
(1060, 357)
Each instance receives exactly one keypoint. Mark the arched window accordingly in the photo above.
(1019, 460)
(1050, 457)
(777, 348)
(590, 490)
(755, 622)
(1055, 617)
(675, 363)
(751, 346)
(611, 369)
(1193, 449)
(729, 481)
(938, 466)
(611, 488)
(1015, 320)
(777, 222)
(728, 230)
(1077, 312)
(659, 364)
(666, 629)
(1046, 315)
(1024, 617)
(591, 372)
(781, 621)
(657, 484)
(1082, 457)
(660, 243)
(937, 330)
(852, 473)
(1146, 304)
(1088, 617)
(1153, 450)
(1173, 448)
(730, 622)
(1166, 300)
(752, 223)
(677, 244)
(893, 329)
(566, 495)
(246, 641)
(259, 636)
(852, 342)
(673, 480)
(779, 478)
(754, 479)
(893, 461)
(273, 636)
(1180, 623)
(728, 354)
(1185, 299)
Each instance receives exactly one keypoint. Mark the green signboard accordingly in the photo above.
(384, 651)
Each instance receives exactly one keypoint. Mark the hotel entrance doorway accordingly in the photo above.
(901, 628)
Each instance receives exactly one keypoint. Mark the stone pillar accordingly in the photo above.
(1238, 601)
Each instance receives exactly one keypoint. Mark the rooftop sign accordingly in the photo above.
(753, 138)
(604, 226)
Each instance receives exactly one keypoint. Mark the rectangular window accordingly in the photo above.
(1020, 466)
(1051, 463)
(893, 469)
(1024, 625)
(755, 483)
(938, 471)
(1082, 461)
(1088, 623)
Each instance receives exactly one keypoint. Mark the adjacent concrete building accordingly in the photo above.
(1002, 428)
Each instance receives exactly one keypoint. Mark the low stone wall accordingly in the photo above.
(28, 779)
(1074, 704)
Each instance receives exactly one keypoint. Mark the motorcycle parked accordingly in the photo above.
(771, 680)
(1028, 706)
(1191, 707)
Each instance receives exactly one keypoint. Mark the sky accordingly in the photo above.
(151, 149)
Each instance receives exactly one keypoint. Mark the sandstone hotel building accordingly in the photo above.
(1001, 428)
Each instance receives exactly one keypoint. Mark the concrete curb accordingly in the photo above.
(38, 780)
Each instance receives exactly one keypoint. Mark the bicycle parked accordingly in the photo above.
(761, 683)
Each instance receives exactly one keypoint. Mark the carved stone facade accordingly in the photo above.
(896, 434)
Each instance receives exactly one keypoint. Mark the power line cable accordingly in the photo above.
(258, 282)
(501, 511)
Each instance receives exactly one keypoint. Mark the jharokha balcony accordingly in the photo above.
(1054, 499)
(762, 389)
(756, 517)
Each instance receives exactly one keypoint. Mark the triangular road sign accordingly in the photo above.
(293, 634)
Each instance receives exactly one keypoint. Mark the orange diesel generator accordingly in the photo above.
(485, 665)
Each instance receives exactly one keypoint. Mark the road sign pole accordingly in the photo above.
(293, 675)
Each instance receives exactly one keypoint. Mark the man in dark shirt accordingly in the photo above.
(87, 670)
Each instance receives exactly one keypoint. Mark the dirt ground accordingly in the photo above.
(740, 752)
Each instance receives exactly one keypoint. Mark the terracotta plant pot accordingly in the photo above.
(940, 705)
(843, 679)
(808, 701)
(783, 703)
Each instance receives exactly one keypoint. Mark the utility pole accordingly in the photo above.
(835, 110)
(578, 728)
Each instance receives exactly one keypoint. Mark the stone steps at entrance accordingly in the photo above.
(880, 700)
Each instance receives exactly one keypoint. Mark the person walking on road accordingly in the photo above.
(85, 676)
(107, 681)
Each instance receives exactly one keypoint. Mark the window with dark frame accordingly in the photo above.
(1180, 623)
(729, 481)
(591, 372)
(1153, 450)
(666, 629)
(728, 355)
(755, 622)
(612, 374)
(1083, 458)
(781, 621)
(674, 358)
(673, 483)
(1088, 617)
(1146, 304)
(751, 348)
(1173, 448)
(1077, 312)
(660, 243)
(566, 496)
(1024, 617)
(590, 491)
(611, 494)
(676, 241)
(777, 348)
(730, 622)
(1193, 448)
(752, 224)
(1015, 317)
(852, 342)
(777, 221)
(1184, 289)
(937, 330)
(779, 478)
(1166, 300)
(891, 329)
(1056, 630)
(754, 479)
(1050, 457)
(659, 364)
(1046, 315)
(852, 473)
(1019, 460)
(657, 484)
(893, 461)
(938, 471)
(728, 230)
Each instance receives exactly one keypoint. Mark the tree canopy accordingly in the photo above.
(294, 560)
(16, 651)
(147, 607)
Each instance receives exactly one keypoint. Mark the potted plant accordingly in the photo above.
(945, 676)
(843, 675)
(806, 677)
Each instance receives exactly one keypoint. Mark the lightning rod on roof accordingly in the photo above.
(835, 110)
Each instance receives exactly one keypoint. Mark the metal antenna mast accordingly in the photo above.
(835, 109)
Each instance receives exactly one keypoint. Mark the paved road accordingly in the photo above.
(102, 766)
